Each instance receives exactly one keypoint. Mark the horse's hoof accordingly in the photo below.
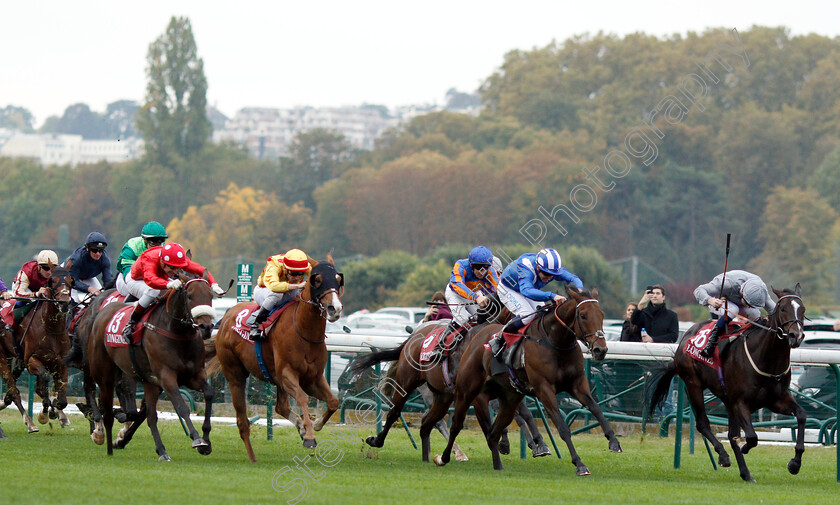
(371, 441)
(205, 450)
(439, 460)
(199, 442)
(541, 450)
(43, 418)
(53, 414)
(460, 457)
(98, 439)
(794, 466)
(164, 457)
(33, 430)
(615, 446)
(583, 471)
(748, 478)
(504, 448)
(65, 422)
(120, 417)
(724, 462)
(309, 443)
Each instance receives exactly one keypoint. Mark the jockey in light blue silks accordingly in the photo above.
(521, 289)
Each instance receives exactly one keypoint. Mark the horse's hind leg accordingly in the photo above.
(13, 393)
(507, 409)
(702, 424)
(788, 406)
(60, 403)
(396, 405)
(440, 405)
(131, 425)
(236, 375)
(580, 390)
(532, 433)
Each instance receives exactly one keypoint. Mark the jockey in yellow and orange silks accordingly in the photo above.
(281, 281)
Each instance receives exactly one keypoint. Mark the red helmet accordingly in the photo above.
(174, 255)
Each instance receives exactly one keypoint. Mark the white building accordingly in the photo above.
(60, 149)
(268, 133)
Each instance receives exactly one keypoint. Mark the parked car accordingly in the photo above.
(817, 382)
(413, 315)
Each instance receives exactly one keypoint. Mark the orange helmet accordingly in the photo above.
(174, 255)
(296, 261)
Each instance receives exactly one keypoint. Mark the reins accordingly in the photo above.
(779, 333)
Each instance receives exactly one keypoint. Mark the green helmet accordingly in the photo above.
(153, 229)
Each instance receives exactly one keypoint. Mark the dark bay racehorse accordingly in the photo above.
(408, 373)
(553, 364)
(44, 343)
(294, 352)
(756, 374)
(171, 355)
(125, 388)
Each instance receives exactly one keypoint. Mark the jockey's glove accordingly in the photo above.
(217, 289)
(173, 284)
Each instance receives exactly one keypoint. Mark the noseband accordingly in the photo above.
(190, 319)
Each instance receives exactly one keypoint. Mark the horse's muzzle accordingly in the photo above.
(333, 313)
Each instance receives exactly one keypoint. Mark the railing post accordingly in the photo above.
(269, 406)
(678, 423)
(31, 395)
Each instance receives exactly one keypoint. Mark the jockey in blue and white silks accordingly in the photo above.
(521, 288)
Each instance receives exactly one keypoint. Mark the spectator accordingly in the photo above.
(661, 323)
(440, 311)
(629, 331)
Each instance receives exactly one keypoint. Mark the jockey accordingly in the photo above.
(155, 270)
(471, 280)
(281, 281)
(33, 275)
(520, 289)
(153, 234)
(86, 263)
(743, 295)
(5, 294)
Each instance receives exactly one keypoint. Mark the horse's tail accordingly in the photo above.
(363, 363)
(386, 385)
(662, 385)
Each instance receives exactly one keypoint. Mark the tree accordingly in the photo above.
(173, 119)
(372, 281)
(78, 119)
(799, 230)
(120, 118)
(316, 157)
(16, 118)
(826, 179)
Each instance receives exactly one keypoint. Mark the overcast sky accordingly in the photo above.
(284, 54)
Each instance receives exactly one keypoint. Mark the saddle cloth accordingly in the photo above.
(240, 324)
(113, 297)
(114, 329)
(432, 340)
(695, 344)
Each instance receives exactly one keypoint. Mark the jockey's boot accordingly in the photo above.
(74, 357)
(714, 335)
(254, 321)
(497, 343)
(136, 315)
(453, 327)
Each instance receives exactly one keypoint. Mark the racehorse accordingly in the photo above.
(44, 342)
(755, 372)
(126, 386)
(409, 373)
(295, 353)
(553, 362)
(170, 355)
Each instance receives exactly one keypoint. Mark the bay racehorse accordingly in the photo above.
(43, 342)
(553, 363)
(409, 373)
(294, 354)
(755, 368)
(170, 355)
(126, 387)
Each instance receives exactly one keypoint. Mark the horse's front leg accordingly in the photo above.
(13, 395)
(581, 391)
(788, 406)
(60, 403)
(199, 383)
(695, 398)
(735, 416)
(169, 383)
(289, 383)
(548, 397)
(321, 390)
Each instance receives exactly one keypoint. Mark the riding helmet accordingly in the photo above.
(153, 229)
(480, 256)
(96, 240)
(754, 292)
(174, 255)
(548, 260)
(296, 260)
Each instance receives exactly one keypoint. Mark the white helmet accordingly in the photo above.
(47, 257)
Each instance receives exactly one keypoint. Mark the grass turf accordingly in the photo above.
(63, 466)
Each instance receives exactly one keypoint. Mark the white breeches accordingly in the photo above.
(142, 291)
(77, 296)
(461, 308)
(268, 299)
(520, 305)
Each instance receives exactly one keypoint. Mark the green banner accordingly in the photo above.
(244, 282)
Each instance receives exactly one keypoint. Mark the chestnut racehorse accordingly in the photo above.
(171, 354)
(553, 364)
(295, 354)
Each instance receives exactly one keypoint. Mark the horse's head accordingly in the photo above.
(788, 316)
(58, 288)
(589, 321)
(199, 300)
(325, 287)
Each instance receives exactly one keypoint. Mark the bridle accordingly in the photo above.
(318, 304)
(189, 320)
(585, 336)
(779, 330)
